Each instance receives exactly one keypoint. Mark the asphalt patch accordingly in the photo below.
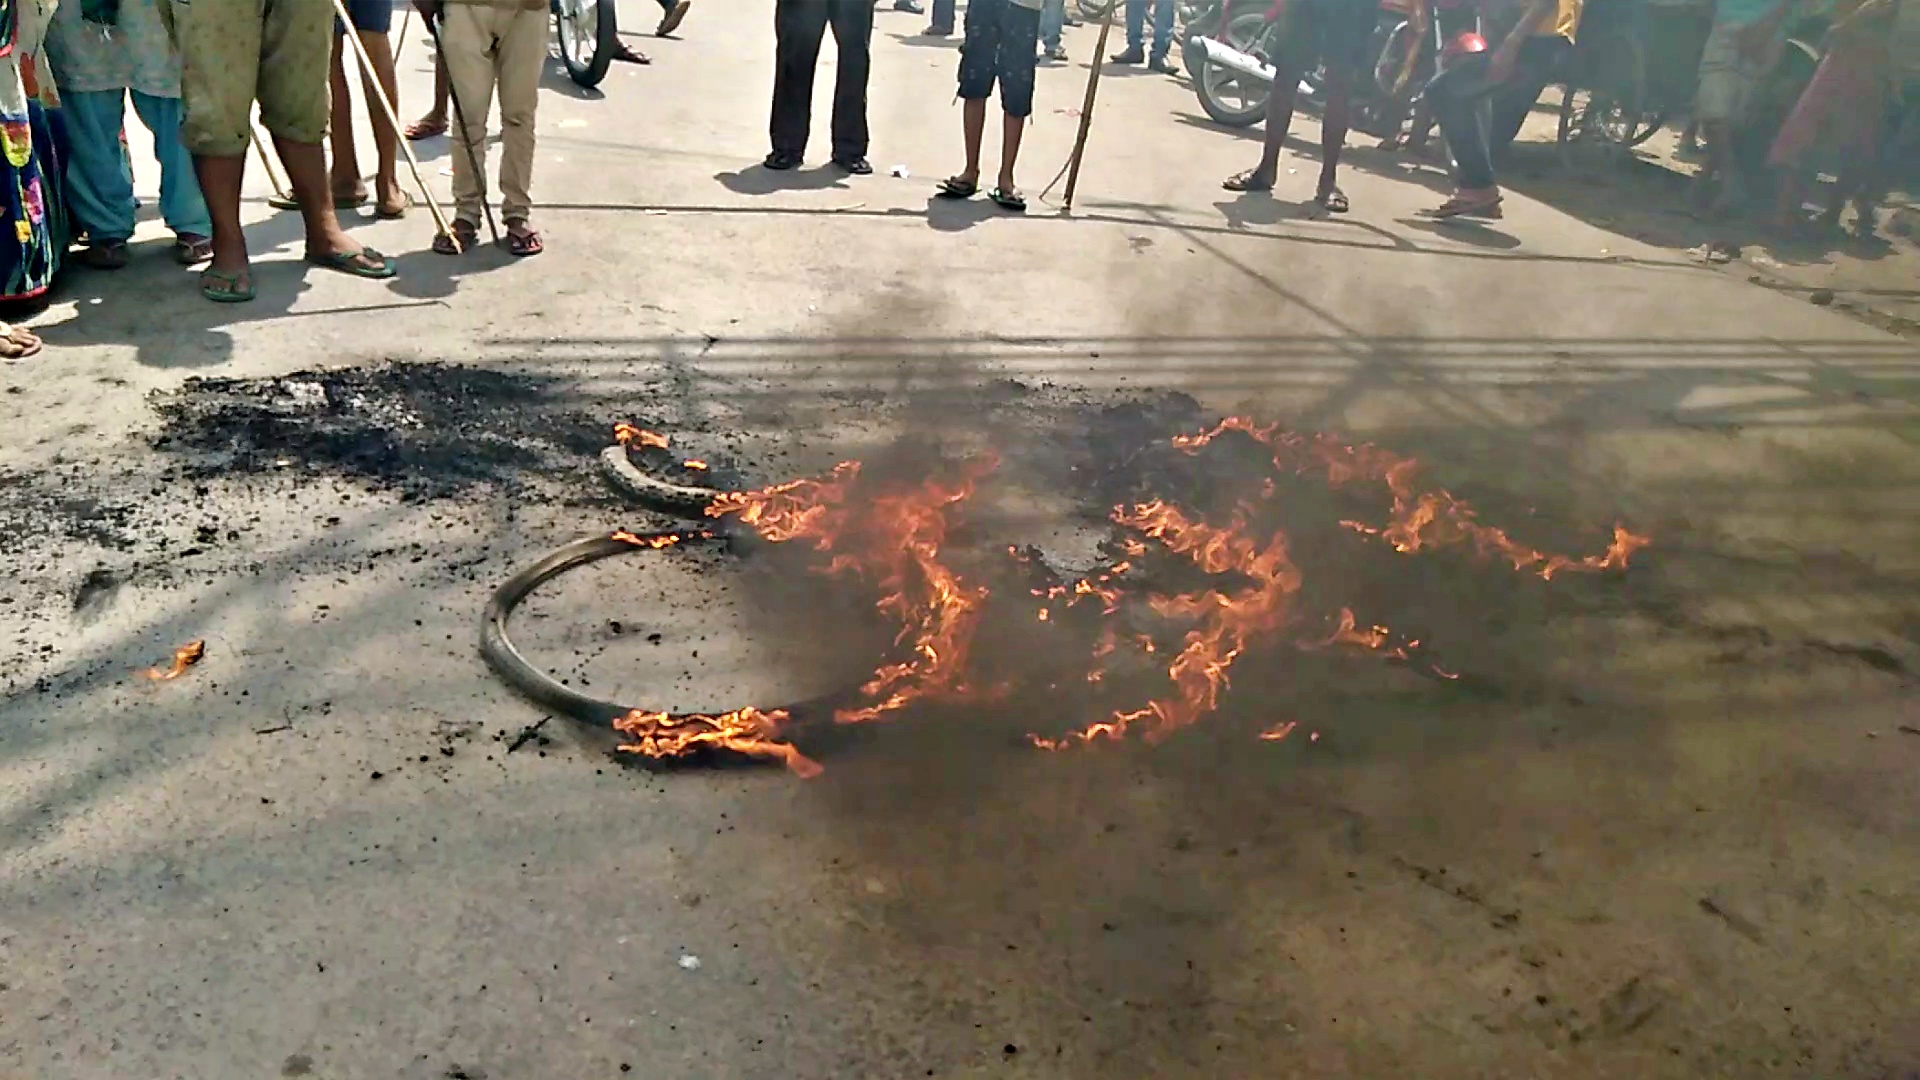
(428, 430)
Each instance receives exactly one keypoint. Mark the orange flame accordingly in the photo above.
(695, 464)
(1419, 519)
(894, 536)
(1227, 622)
(184, 657)
(657, 541)
(746, 731)
(627, 435)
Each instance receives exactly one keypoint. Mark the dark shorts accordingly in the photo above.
(1002, 42)
(369, 16)
(1337, 33)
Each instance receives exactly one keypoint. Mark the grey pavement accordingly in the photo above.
(1681, 841)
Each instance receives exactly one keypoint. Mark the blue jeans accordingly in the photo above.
(943, 15)
(1053, 16)
(1162, 26)
(99, 178)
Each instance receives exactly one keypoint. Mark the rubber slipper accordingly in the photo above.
(422, 129)
(191, 249)
(222, 287)
(288, 202)
(349, 262)
(955, 188)
(1008, 199)
(1333, 202)
(1246, 182)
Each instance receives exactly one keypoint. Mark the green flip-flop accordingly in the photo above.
(348, 262)
(223, 287)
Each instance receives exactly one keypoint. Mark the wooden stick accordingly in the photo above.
(266, 160)
(1086, 107)
(406, 14)
(371, 81)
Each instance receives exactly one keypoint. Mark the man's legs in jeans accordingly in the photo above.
(1136, 50)
(1162, 31)
(942, 20)
(1053, 16)
(852, 22)
(1462, 105)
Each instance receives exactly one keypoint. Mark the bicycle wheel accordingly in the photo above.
(588, 35)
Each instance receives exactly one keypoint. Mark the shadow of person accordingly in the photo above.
(958, 215)
(428, 275)
(554, 77)
(760, 180)
(1472, 232)
(1261, 208)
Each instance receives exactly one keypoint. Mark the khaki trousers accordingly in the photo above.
(489, 45)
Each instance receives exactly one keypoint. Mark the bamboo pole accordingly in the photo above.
(1086, 107)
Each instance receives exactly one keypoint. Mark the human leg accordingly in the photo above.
(220, 60)
(853, 37)
(798, 27)
(389, 199)
(433, 121)
(1053, 16)
(1459, 99)
(521, 52)
(940, 23)
(1162, 32)
(181, 205)
(1333, 138)
(1014, 70)
(98, 182)
(466, 42)
(344, 172)
(1136, 50)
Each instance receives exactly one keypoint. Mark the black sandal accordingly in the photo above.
(1008, 199)
(1246, 181)
(465, 235)
(954, 187)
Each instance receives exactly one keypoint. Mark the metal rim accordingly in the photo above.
(579, 30)
(1242, 31)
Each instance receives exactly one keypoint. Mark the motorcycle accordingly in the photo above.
(588, 31)
(1235, 79)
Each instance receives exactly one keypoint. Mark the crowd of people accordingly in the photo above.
(194, 73)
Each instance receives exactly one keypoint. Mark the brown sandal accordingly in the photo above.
(424, 129)
(465, 235)
(524, 242)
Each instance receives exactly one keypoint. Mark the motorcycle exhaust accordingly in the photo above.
(1219, 52)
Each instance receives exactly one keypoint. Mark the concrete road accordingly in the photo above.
(1676, 837)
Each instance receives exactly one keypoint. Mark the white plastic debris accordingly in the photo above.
(899, 171)
(689, 962)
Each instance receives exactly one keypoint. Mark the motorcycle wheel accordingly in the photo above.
(587, 32)
(1227, 97)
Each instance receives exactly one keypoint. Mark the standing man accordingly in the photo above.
(233, 52)
(491, 44)
(798, 26)
(1335, 33)
(1745, 42)
(372, 22)
(1533, 36)
(1001, 35)
(942, 23)
(1136, 50)
(97, 65)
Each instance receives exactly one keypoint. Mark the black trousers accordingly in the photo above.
(798, 26)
